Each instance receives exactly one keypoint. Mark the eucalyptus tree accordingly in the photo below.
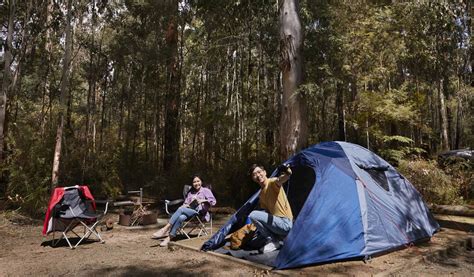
(293, 124)
(159, 88)
(7, 75)
(430, 36)
(63, 96)
(173, 93)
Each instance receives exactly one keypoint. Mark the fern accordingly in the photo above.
(397, 139)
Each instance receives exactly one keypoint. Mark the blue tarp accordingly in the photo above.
(358, 206)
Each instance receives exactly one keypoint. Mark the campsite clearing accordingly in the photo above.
(132, 252)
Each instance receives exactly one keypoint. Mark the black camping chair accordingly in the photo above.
(197, 222)
(75, 210)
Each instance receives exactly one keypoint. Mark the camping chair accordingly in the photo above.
(71, 207)
(195, 223)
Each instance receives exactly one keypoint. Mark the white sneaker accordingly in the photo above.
(271, 246)
(165, 242)
(161, 233)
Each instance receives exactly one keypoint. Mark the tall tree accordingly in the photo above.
(8, 59)
(63, 96)
(173, 99)
(341, 120)
(46, 67)
(293, 122)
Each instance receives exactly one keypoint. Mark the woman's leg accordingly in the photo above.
(177, 224)
(176, 215)
(185, 213)
(164, 232)
(178, 219)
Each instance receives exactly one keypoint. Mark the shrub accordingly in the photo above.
(433, 183)
(397, 148)
(462, 171)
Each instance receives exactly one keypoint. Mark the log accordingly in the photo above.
(466, 210)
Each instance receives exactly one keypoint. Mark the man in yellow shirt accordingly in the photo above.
(276, 219)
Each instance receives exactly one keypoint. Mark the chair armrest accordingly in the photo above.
(101, 202)
(106, 207)
(172, 203)
(123, 203)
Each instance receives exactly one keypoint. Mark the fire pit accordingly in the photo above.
(137, 212)
(132, 218)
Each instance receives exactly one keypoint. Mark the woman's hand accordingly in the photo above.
(200, 201)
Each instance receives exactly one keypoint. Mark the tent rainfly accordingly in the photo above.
(348, 204)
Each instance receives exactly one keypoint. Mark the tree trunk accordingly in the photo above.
(63, 97)
(459, 115)
(48, 48)
(367, 134)
(341, 115)
(91, 90)
(293, 122)
(156, 128)
(172, 102)
(443, 115)
(103, 117)
(323, 125)
(459, 126)
(8, 59)
(268, 102)
(197, 115)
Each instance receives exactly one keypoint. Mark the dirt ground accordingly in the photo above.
(132, 253)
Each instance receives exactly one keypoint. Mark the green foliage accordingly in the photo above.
(397, 139)
(388, 60)
(462, 172)
(433, 183)
(29, 169)
(398, 148)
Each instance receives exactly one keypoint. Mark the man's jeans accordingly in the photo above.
(179, 217)
(270, 226)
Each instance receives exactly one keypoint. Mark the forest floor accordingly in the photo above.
(127, 252)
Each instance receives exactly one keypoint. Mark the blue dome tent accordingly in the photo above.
(348, 204)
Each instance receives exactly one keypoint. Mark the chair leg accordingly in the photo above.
(198, 224)
(182, 230)
(90, 230)
(202, 228)
(56, 241)
(68, 242)
(68, 228)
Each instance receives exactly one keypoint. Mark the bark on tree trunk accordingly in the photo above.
(63, 97)
(443, 115)
(197, 116)
(103, 117)
(433, 110)
(46, 99)
(8, 59)
(293, 122)
(341, 115)
(459, 118)
(323, 127)
(21, 57)
(172, 102)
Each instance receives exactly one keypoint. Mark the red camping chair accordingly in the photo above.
(70, 207)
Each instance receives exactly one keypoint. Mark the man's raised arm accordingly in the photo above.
(285, 173)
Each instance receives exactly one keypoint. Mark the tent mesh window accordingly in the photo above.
(379, 177)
